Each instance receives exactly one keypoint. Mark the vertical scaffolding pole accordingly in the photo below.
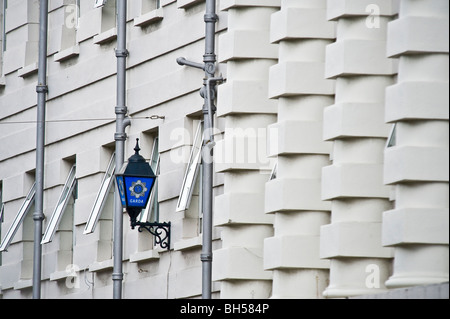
(120, 137)
(41, 90)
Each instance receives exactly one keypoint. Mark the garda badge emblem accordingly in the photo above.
(138, 189)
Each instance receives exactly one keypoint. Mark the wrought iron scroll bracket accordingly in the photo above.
(161, 231)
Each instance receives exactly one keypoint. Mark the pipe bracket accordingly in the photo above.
(117, 276)
(122, 53)
(211, 17)
(206, 257)
(120, 137)
(42, 88)
(121, 110)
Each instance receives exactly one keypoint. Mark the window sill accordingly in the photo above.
(101, 266)
(23, 284)
(183, 4)
(149, 18)
(67, 54)
(28, 70)
(144, 256)
(60, 275)
(187, 244)
(106, 36)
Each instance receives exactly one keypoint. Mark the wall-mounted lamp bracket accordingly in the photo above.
(161, 231)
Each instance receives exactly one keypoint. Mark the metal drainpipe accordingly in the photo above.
(41, 90)
(209, 109)
(122, 121)
(208, 93)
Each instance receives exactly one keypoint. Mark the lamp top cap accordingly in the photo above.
(136, 158)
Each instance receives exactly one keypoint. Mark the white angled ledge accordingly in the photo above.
(67, 54)
(62, 275)
(149, 18)
(188, 244)
(144, 256)
(106, 36)
(101, 266)
(28, 70)
(184, 4)
(228, 4)
(23, 284)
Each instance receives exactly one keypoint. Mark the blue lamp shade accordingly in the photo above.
(135, 182)
(135, 191)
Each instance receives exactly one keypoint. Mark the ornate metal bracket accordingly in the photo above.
(161, 231)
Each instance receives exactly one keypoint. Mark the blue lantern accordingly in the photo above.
(135, 183)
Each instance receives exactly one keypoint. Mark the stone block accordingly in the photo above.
(294, 195)
(357, 276)
(90, 25)
(364, 180)
(358, 57)
(92, 161)
(57, 173)
(296, 78)
(16, 187)
(240, 208)
(242, 149)
(353, 239)
(20, 13)
(228, 4)
(355, 120)
(283, 252)
(299, 137)
(246, 44)
(415, 225)
(175, 134)
(234, 263)
(419, 264)
(239, 96)
(417, 100)
(301, 23)
(415, 163)
(411, 35)
(20, 56)
(286, 283)
(169, 184)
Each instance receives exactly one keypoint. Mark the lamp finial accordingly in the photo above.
(137, 148)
